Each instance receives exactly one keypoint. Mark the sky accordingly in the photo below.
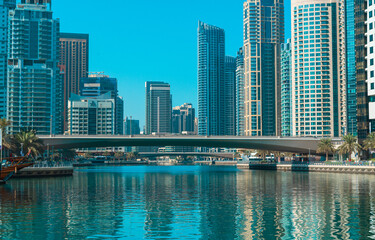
(138, 41)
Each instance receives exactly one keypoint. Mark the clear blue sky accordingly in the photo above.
(137, 41)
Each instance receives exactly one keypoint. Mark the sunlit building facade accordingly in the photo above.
(286, 87)
(318, 68)
(240, 93)
(211, 64)
(34, 87)
(263, 35)
(371, 61)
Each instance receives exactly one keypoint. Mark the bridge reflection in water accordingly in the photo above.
(296, 145)
(189, 203)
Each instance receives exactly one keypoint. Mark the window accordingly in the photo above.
(372, 86)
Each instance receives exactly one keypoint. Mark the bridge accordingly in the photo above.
(280, 144)
(200, 154)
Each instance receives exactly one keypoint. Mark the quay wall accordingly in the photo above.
(315, 168)
(44, 172)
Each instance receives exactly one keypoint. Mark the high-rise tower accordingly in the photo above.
(286, 89)
(229, 95)
(158, 107)
(240, 94)
(34, 88)
(74, 63)
(318, 68)
(211, 61)
(5, 6)
(263, 35)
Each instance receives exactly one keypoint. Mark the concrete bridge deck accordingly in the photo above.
(281, 144)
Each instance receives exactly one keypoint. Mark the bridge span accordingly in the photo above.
(199, 154)
(281, 144)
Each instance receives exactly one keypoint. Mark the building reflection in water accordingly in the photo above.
(189, 202)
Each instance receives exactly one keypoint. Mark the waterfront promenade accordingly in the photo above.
(364, 167)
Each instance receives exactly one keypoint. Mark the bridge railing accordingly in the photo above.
(51, 164)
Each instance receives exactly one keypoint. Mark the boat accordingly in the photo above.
(10, 166)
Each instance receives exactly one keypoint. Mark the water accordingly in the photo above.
(189, 203)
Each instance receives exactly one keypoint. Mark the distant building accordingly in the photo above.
(183, 119)
(91, 115)
(286, 89)
(34, 87)
(229, 96)
(240, 93)
(263, 35)
(98, 84)
(74, 63)
(131, 127)
(5, 7)
(211, 64)
(158, 108)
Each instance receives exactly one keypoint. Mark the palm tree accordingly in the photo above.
(349, 146)
(4, 123)
(369, 143)
(263, 154)
(130, 156)
(326, 146)
(27, 142)
(119, 155)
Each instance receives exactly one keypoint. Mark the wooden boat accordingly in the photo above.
(11, 167)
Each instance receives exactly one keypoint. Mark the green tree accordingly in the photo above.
(130, 156)
(4, 124)
(27, 142)
(88, 155)
(349, 146)
(369, 143)
(119, 155)
(326, 146)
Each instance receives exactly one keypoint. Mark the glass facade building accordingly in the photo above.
(371, 61)
(286, 87)
(263, 35)
(350, 69)
(360, 17)
(5, 6)
(211, 65)
(34, 87)
(98, 84)
(229, 107)
(240, 94)
(183, 119)
(318, 68)
(158, 108)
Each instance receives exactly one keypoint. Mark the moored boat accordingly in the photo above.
(11, 166)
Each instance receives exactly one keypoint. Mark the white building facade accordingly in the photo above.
(318, 68)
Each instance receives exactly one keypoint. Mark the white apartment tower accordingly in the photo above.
(318, 68)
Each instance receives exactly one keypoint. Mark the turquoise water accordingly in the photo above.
(189, 203)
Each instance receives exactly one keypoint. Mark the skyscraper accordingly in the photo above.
(5, 6)
(98, 84)
(351, 68)
(183, 118)
(371, 62)
(240, 93)
(74, 63)
(158, 107)
(360, 17)
(211, 61)
(318, 68)
(229, 95)
(286, 89)
(263, 35)
(34, 81)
